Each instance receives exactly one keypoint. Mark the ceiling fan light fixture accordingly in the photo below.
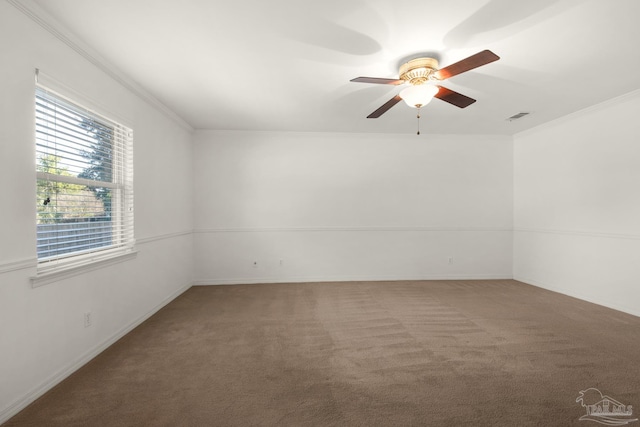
(419, 96)
(418, 71)
(424, 76)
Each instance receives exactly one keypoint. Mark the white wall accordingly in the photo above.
(577, 205)
(351, 207)
(42, 335)
(306, 207)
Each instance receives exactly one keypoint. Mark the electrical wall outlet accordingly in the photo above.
(87, 319)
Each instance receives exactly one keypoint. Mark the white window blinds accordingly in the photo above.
(84, 168)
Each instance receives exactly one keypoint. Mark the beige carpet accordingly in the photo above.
(436, 353)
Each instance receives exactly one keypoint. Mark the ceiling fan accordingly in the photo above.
(422, 76)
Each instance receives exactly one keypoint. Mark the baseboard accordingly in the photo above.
(600, 302)
(22, 402)
(309, 279)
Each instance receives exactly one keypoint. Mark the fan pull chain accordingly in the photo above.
(418, 117)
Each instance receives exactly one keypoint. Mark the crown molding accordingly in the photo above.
(368, 136)
(51, 25)
(580, 113)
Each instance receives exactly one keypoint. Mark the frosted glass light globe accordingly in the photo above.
(418, 96)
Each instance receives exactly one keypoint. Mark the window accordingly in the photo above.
(84, 168)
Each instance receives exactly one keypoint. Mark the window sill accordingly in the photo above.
(61, 272)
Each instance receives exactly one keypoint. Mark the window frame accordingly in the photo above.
(121, 214)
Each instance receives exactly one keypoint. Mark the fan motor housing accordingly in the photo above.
(419, 70)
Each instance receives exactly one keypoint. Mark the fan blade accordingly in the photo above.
(385, 107)
(474, 61)
(377, 80)
(454, 98)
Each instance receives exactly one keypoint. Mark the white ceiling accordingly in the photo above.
(286, 64)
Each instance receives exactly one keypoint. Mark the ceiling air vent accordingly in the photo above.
(517, 116)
